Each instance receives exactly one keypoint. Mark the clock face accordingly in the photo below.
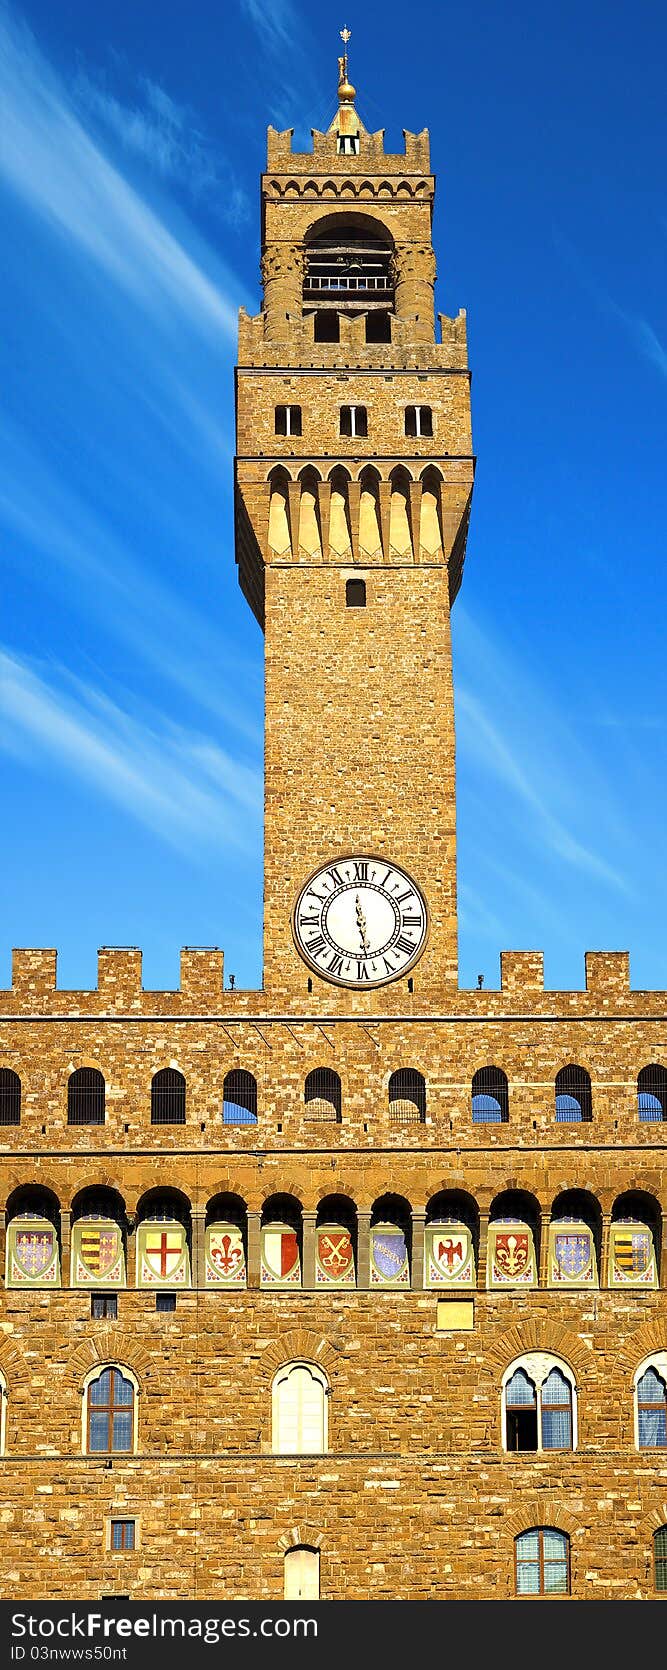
(360, 921)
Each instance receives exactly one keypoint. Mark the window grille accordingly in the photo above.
(556, 1399)
(355, 594)
(322, 1095)
(573, 1096)
(490, 1097)
(85, 1097)
(288, 420)
(418, 421)
(104, 1307)
(10, 1097)
(239, 1106)
(168, 1097)
(110, 1413)
(165, 1301)
(354, 421)
(122, 1534)
(407, 1097)
(521, 1412)
(660, 1558)
(651, 1411)
(652, 1094)
(542, 1562)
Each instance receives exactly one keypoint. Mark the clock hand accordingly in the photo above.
(361, 924)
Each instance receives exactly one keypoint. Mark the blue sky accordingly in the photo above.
(130, 666)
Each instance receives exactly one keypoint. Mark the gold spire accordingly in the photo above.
(346, 92)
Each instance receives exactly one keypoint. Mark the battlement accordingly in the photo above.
(414, 159)
(201, 990)
(259, 348)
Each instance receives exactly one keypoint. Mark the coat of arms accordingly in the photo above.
(164, 1253)
(632, 1255)
(280, 1256)
(98, 1253)
(389, 1256)
(512, 1255)
(335, 1256)
(34, 1254)
(572, 1256)
(448, 1255)
(225, 1255)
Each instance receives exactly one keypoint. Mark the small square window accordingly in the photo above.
(165, 1301)
(122, 1534)
(104, 1307)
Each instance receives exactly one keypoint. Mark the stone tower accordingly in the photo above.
(354, 478)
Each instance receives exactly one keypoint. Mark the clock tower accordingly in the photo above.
(353, 484)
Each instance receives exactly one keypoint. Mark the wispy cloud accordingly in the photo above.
(638, 329)
(186, 789)
(49, 159)
(167, 137)
(508, 727)
(276, 21)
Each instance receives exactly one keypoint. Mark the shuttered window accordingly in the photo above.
(302, 1574)
(299, 1411)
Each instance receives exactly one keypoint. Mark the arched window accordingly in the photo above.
(539, 1398)
(239, 1105)
(573, 1095)
(322, 1095)
(660, 1558)
(168, 1097)
(652, 1094)
(299, 1410)
(490, 1097)
(407, 1096)
(651, 1390)
(542, 1562)
(355, 594)
(302, 1574)
(110, 1412)
(85, 1097)
(10, 1097)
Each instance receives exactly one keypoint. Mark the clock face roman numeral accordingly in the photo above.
(360, 922)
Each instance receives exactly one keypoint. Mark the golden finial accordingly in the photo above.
(346, 92)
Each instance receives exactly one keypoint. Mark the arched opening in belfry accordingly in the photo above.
(349, 269)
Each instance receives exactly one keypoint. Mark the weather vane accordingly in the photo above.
(345, 35)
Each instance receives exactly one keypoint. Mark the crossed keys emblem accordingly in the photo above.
(335, 1253)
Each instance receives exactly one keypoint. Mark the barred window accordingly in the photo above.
(660, 1559)
(418, 421)
(490, 1097)
(239, 1105)
(85, 1097)
(354, 421)
(542, 1562)
(110, 1422)
(10, 1097)
(652, 1094)
(104, 1307)
(168, 1097)
(651, 1411)
(322, 1095)
(573, 1095)
(407, 1097)
(288, 420)
(122, 1534)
